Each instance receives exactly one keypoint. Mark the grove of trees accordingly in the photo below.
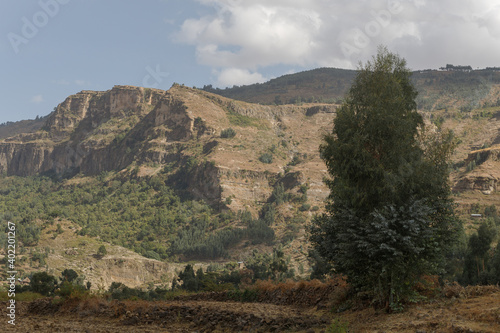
(145, 215)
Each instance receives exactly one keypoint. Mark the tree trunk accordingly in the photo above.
(391, 290)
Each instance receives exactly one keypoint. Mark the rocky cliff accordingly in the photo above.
(132, 127)
(481, 171)
(81, 134)
(179, 134)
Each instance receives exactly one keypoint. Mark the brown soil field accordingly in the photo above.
(471, 309)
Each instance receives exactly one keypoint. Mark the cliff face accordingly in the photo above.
(131, 127)
(90, 132)
(23, 159)
(483, 173)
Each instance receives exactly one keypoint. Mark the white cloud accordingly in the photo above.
(259, 35)
(37, 99)
(249, 35)
(236, 76)
(252, 35)
(491, 21)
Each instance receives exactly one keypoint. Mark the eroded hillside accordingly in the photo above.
(93, 132)
(115, 157)
(132, 146)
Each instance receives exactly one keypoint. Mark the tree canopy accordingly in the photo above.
(43, 283)
(389, 214)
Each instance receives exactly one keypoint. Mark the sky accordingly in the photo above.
(50, 49)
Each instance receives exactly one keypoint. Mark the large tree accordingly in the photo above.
(389, 215)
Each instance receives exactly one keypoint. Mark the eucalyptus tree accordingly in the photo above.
(389, 215)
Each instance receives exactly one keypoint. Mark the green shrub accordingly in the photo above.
(303, 188)
(279, 196)
(228, 133)
(69, 275)
(295, 160)
(304, 207)
(152, 255)
(43, 283)
(288, 237)
(266, 158)
(67, 289)
(249, 295)
(102, 251)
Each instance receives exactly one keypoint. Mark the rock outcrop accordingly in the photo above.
(91, 132)
(134, 272)
(482, 173)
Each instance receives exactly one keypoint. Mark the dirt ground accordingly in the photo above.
(175, 316)
(474, 315)
(455, 315)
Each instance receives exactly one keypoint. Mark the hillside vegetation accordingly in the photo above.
(137, 169)
(174, 176)
(437, 89)
(12, 128)
(144, 215)
(190, 176)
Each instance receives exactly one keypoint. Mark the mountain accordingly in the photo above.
(441, 89)
(318, 85)
(188, 174)
(456, 97)
(179, 175)
(95, 132)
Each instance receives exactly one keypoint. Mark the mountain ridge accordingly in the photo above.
(437, 89)
(232, 155)
(269, 168)
(134, 128)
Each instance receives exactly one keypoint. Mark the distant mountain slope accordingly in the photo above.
(318, 85)
(121, 160)
(437, 89)
(126, 127)
(10, 128)
(129, 127)
(176, 174)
